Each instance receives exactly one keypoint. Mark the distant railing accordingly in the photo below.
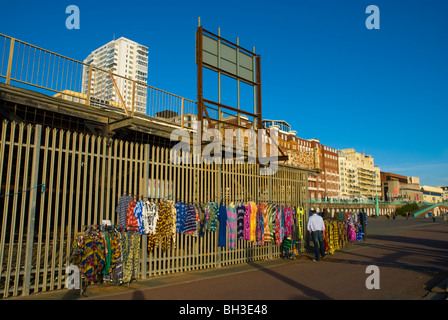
(30, 66)
(369, 201)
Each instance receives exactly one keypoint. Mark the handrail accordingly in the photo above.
(51, 73)
(431, 206)
(373, 202)
(98, 68)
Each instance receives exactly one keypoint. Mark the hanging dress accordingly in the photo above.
(222, 225)
(240, 213)
(231, 225)
(123, 204)
(131, 220)
(266, 224)
(247, 222)
(278, 239)
(253, 221)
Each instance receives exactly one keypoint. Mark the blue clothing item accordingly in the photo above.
(222, 218)
(181, 215)
(260, 226)
(138, 213)
(190, 220)
(319, 247)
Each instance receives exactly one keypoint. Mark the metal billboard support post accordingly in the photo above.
(11, 54)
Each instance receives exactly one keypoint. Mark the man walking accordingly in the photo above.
(316, 227)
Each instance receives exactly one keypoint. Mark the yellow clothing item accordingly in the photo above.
(253, 220)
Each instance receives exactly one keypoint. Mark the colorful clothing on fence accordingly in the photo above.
(90, 254)
(190, 226)
(289, 221)
(151, 215)
(253, 221)
(277, 227)
(231, 225)
(212, 216)
(181, 215)
(240, 213)
(131, 266)
(138, 214)
(122, 208)
(222, 225)
(131, 220)
(260, 225)
(247, 222)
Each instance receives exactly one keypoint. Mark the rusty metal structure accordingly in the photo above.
(229, 59)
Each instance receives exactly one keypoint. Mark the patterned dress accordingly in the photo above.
(247, 222)
(231, 225)
(253, 221)
(131, 266)
(90, 254)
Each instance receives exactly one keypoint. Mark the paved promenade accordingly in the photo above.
(411, 256)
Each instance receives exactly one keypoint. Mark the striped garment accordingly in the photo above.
(190, 225)
(123, 204)
(240, 213)
(287, 243)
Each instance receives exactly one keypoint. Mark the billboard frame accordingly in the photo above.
(201, 105)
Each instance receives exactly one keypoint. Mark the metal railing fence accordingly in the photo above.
(29, 66)
(54, 182)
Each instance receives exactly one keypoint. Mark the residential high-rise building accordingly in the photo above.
(348, 178)
(361, 176)
(128, 60)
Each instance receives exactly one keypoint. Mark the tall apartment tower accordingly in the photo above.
(359, 177)
(125, 58)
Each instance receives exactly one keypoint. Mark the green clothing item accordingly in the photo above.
(106, 268)
(287, 243)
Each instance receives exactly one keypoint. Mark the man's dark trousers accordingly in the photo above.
(319, 247)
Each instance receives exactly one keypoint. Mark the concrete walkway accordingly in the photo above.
(411, 256)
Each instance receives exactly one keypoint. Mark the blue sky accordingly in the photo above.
(382, 91)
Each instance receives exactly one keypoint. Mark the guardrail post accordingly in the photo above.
(89, 85)
(182, 113)
(11, 54)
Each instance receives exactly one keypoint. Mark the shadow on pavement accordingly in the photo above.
(305, 289)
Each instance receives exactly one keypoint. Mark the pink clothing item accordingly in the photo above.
(289, 220)
(278, 240)
(247, 222)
